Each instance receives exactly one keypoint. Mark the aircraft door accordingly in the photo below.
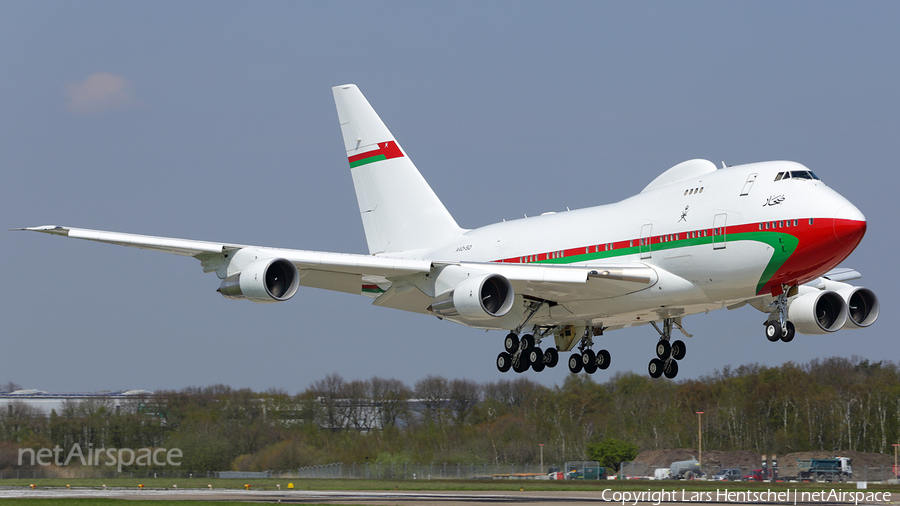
(746, 190)
(719, 231)
(645, 240)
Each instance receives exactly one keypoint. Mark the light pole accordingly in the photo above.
(896, 469)
(542, 457)
(699, 438)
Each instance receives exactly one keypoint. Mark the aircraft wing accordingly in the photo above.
(376, 276)
(334, 271)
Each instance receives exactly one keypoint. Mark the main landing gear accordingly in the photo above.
(667, 354)
(777, 326)
(587, 360)
(526, 352)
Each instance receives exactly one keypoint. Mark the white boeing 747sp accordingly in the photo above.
(697, 238)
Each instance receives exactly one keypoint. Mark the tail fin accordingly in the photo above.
(399, 210)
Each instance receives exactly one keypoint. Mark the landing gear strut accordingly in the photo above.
(587, 360)
(667, 351)
(778, 326)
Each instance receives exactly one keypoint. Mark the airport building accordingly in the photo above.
(50, 401)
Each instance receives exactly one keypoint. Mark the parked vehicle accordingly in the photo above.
(685, 470)
(757, 475)
(833, 470)
(728, 475)
(662, 474)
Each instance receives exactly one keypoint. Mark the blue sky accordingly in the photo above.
(215, 121)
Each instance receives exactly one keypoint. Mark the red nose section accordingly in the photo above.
(849, 232)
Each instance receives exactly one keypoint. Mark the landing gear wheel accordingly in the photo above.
(504, 361)
(551, 357)
(522, 364)
(511, 342)
(773, 331)
(789, 331)
(575, 363)
(602, 359)
(655, 368)
(588, 361)
(679, 350)
(663, 349)
(671, 369)
(529, 341)
(536, 358)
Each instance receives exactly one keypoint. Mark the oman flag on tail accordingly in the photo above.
(384, 151)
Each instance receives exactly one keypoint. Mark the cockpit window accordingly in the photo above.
(796, 174)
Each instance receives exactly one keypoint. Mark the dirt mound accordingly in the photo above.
(743, 459)
(859, 460)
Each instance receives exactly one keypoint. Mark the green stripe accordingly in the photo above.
(364, 161)
(783, 245)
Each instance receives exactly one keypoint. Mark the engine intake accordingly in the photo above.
(267, 280)
(818, 312)
(862, 307)
(477, 298)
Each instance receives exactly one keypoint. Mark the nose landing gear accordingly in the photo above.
(777, 326)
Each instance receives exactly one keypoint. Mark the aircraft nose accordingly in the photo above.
(849, 225)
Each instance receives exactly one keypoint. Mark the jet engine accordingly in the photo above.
(862, 306)
(475, 299)
(818, 312)
(265, 280)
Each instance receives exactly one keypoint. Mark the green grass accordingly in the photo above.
(438, 485)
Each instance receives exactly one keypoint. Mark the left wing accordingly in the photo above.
(332, 271)
(409, 284)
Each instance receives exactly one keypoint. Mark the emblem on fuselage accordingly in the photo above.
(774, 200)
(684, 214)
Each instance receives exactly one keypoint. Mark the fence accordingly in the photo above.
(396, 470)
(640, 470)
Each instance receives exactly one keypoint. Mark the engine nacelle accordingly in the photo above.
(265, 280)
(862, 307)
(818, 312)
(476, 299)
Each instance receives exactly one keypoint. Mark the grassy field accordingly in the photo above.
(438, 485)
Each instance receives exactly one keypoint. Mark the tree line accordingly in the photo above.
(831, 404)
